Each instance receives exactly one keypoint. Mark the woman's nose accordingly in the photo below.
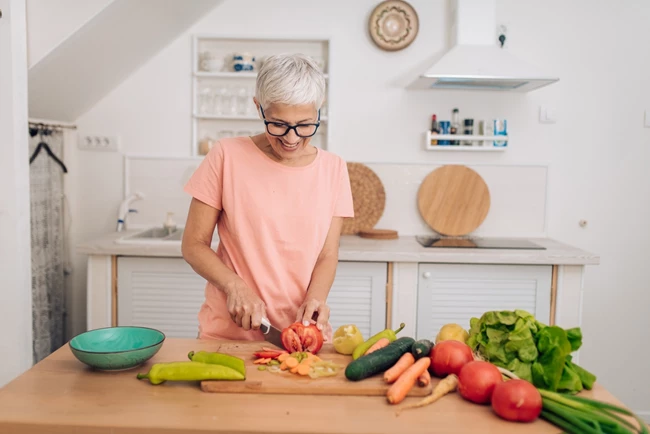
(291, 137)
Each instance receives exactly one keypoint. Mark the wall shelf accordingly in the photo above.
(208, 83)
(480, 143)
(237, 117)
(228, 74)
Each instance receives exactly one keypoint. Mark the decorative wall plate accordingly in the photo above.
(393, 25)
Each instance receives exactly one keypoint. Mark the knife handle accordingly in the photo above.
(266, 324)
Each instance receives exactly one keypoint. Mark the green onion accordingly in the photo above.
(584, 415)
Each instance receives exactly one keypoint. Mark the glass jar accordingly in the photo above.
(468, 130)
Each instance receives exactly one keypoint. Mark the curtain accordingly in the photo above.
(47, 239)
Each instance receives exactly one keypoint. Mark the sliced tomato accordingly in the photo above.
(312, 339)
(297, 338)
(291, 339)
(270, 354)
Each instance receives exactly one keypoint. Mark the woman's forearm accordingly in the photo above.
(322, 277)
(208, 265)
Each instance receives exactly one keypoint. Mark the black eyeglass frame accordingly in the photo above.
(289, 127)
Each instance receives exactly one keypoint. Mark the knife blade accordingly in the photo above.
(272, 334)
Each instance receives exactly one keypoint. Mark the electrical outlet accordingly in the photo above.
(99, 143)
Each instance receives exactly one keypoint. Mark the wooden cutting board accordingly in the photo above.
(454, 200)
(292, 384)
(368, 198)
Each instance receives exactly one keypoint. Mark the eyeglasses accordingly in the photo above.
(279, 129)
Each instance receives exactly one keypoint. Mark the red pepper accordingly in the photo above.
(268, 354)
(297, 338)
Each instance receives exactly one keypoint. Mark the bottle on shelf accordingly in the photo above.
(468, 130)
(455, 125)
(500, 129)
(434, 130)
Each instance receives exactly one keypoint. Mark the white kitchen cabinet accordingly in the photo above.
(358, 296)
(166, 294)
(454, 293)
(162, 293)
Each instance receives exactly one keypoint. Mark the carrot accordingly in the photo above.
(445, 386)
(291, 362)
(283, 357)
(294, 370)
(381, 343)
(398, 391)
(283, 366)
(424, 379)
(404, 362)
(261, 361)
(303, 369)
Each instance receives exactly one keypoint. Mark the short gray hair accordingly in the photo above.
(290, 79)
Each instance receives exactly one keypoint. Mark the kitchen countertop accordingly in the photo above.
(354, 248)
(61, 395)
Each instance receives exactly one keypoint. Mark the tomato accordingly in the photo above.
(298, 338)
(448, 357)
(517, 400)
(477, 380)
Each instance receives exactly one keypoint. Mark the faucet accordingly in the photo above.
(125, 209)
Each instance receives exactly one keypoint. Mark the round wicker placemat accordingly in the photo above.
(368, 196)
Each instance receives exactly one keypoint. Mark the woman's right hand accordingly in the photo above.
(245, 307)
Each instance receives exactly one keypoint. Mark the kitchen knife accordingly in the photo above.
(274, 335)
(271, 334)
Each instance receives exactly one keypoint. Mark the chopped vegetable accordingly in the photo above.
(346, 339)
(388, 333)
(268, 354)
(517, 400)
(398, 391)
(404, 362)
(448, 357)
(261, 368)
(298, 337)
(477, 380)
(452, 332)
(444, 386)
(323, 369)
(533, 351)
(381, 343)
(291, 362)
(425, 379)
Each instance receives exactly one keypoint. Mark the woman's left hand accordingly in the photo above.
(306, 312)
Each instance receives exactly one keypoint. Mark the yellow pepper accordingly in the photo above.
(214, 358)
(189, 371)
(388, 334)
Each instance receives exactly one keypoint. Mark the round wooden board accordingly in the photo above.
(454, 200)
(379, 234)
(368, 196)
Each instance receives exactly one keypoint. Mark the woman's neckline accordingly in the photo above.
(284, 166)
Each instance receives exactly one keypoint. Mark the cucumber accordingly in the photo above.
(379, 361)
(421, 348)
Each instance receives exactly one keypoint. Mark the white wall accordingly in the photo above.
(597, 150)
(50, 22)
(15, 245)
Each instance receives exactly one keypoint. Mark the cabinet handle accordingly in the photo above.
(426, 274)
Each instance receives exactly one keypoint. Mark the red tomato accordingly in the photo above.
(448, 357)
(297, 338)
(477, 380)
(517, 400)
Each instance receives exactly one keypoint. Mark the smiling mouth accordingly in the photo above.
(288, 146)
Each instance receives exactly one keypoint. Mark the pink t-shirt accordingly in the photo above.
(273, 223)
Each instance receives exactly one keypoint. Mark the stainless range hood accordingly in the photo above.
(476, 60)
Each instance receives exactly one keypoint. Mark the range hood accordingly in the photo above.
(476, 60)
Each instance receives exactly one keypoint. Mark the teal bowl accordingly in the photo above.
(116, 348)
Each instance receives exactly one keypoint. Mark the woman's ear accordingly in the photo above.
(257, 106)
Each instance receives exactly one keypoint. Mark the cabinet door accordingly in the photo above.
(454, 293)
(162, 293)
(358, 296)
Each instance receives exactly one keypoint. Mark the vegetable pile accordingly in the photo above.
(540, 354)
(301, 363)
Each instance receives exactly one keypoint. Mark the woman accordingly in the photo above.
(278, 203)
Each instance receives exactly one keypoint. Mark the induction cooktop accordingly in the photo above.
(477, 243)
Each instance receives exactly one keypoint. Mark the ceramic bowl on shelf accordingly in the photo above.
(116, 348)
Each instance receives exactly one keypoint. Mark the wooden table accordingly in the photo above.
(61, 395)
